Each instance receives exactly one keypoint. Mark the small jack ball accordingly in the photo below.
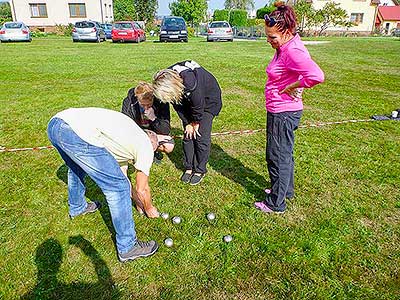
(169, 242)
(176, 220)
(227, 238)
(165, 216)
(210, 216)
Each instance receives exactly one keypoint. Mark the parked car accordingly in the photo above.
(396, 32)
(107, 30)
(127, 31)
(15, 31)
(219, 30)
(88, 31)
(173, 29)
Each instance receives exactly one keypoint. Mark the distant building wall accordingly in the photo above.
(47, 13)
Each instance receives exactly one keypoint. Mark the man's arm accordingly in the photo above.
(143, 194)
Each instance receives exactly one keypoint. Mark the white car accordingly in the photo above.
(15, 31)
(219, 30)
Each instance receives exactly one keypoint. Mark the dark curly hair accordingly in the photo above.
(284, 16)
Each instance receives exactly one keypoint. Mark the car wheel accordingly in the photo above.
(74, 41)
(185, 40)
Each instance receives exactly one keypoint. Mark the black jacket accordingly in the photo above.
(201, 94)
(131, 108)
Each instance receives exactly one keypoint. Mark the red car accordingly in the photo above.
(127, 31)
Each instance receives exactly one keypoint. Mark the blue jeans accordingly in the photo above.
(83, 158)
(279, 154)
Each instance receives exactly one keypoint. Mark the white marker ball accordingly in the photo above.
(176, 220)
(165, 216)
(210, 216)
(169, 242)
(227, 238)
(395, 114)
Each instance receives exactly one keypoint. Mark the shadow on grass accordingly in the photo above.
(48, 262)
(233, 169)
(228, 167)
(93, 193)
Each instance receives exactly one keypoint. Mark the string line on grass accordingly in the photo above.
(231, 132)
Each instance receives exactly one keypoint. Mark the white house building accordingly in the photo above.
(46, 14)
(362, 14)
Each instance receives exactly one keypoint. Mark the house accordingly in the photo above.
(46, 14)
(388, 18)
(362, 14)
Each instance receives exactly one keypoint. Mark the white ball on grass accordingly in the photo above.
(176, 220)
(228, 238)
(169, 242)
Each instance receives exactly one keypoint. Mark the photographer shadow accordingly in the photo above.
(48, 262)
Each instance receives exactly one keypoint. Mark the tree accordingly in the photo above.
(267, 9)
(192, 11)
(145, 9)
(239, 4)
(124, 10)
(5, 13)
(330, 15)
(221, 15)
(305, 14)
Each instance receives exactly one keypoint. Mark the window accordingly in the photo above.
(77, 10)
(357, 18)
(38, 10)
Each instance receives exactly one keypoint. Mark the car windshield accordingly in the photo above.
(13, 25)
(174, 22)
(123, 26)
(84, 25)
(219, 25)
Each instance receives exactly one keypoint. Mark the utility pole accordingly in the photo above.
(14, 15)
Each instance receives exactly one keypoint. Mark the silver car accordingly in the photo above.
(88, 31)
(219, 30)
(15, 31)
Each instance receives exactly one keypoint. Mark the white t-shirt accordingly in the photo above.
(114, 131)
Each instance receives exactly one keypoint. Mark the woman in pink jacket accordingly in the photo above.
(289, 72)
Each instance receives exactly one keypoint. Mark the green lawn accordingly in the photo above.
(340, 237)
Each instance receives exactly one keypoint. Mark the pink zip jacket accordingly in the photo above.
(291, 63)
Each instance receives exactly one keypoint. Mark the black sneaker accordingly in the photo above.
(140, 249)
(196, 179)
(158, 156)
(186, 177)
(90, 208)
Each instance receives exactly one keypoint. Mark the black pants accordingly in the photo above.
(279, 154)
(197, 151)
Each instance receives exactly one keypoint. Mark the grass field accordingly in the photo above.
(340, 237)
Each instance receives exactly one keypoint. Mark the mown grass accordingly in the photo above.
(339, 238)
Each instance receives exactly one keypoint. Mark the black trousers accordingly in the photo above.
(279, 154)
(197, 151)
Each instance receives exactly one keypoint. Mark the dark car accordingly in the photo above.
(396, 32)
(107, 30)
(173, 29)
(88, 31)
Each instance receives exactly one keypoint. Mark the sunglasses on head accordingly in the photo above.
(270, 21)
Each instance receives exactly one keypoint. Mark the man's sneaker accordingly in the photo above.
(90, 208)
(185, 178)
(196, 178)
(158, 156)
(140, 249)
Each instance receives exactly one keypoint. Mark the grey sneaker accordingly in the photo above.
(186, 177)
(140, 249)
(90, 208)
(196, 179)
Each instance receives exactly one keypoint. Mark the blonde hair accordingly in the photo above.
(168, 86)
(144, 92)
